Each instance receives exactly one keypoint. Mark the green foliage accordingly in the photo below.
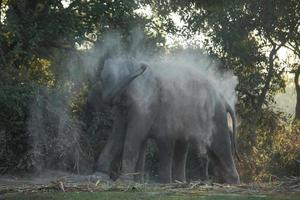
(39, 46)
(43, 86)
(54, 133)
(14, 111)
(276, 150)
(246, 37)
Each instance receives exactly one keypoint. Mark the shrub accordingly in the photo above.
(14, 112)
(275, 153)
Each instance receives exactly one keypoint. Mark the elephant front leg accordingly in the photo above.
(179, 161)
(114, 146)
(130, 160)
(165, 153)
(140, 167)
(134, 145)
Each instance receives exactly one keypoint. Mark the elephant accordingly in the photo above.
(148, 103)
(94, 105)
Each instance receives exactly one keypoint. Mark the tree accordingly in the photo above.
(246, 37)
(42, 60)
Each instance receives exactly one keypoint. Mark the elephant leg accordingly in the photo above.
(114, 146)
(206, 167)
(136, 135)
(179, 160)
(165, 152)
(222, 160)
(140, 167)
(116, 167)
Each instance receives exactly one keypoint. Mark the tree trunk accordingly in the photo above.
(261, 98)
(297, 87)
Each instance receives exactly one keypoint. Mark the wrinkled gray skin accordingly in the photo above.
(173, 131)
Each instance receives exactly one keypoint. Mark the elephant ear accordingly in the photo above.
(119, 89)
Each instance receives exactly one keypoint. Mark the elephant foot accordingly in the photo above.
(100, 176)
(126, 178)
(232, 179)
(180, 181)
(207, 182)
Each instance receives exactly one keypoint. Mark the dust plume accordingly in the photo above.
(185, 82)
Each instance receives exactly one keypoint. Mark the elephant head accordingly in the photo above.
(116, 75)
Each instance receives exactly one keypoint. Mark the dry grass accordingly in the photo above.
(91, 184)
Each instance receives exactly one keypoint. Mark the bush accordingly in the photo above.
(40, 128)
(275, 153)
(14, 112)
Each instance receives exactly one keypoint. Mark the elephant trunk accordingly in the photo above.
(119, 89)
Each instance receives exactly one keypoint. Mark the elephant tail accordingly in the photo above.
(233, 135)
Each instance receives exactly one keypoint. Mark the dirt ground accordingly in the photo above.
(64, 182)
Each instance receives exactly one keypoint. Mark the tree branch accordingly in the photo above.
(270, 74)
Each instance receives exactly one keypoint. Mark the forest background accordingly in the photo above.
(44, 46)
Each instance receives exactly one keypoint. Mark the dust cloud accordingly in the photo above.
(185, 83)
